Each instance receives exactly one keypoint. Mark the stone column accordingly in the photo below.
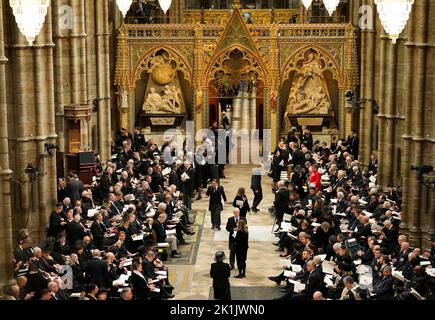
(6, 243)
(103, 78)
(417, 200)
(389, 121)
(382, 111)
(367, 47)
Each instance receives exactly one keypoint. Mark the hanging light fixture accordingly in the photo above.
(124, 6)
(30, 16)
(331, 5)
(394, 15)
(165, 5)
(307, 3)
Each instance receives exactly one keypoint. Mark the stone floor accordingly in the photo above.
(192, 282)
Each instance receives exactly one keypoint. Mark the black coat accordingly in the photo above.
(313, 284)
(384, 288)
(245, 208)
(220, 272)
(36, 282)
(281, 201)
(148, 268)
(216, 197)
(74, 232)
(173, 179)
(55, 226)
(160, 232)
(140, 287)
(231, 224)
(97, 272)
(365, 231)
(98, 231)
(74, 189)
(241, 241)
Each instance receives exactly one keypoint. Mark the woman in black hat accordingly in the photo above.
(220, 273)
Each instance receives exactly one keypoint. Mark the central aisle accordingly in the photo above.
(192, 282)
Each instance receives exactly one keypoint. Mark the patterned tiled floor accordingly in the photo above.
(192, 282)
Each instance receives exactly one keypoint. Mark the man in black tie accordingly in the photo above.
(373, 165)
(216, 193)
(281, 202)
(231, 226)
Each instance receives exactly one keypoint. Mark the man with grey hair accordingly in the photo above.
(56, 293)
(231, 227)
(187, 183)
(126, 294)
(350, 290)
(162, 237)
(97, 269)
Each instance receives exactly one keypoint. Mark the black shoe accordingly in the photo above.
(191, 233)
(275, 279)
(276, 244)
(212, 228)
(231, 268)
(219, 229)
(239, 276)
(175, 254)
(182, 242)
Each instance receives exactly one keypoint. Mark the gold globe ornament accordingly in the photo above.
(163, 75)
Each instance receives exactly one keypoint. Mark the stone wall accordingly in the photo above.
(400, 78)
(67, 65)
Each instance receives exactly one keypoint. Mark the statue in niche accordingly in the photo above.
(123, 98)
(309, 93)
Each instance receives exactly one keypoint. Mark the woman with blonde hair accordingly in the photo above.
(241, 235)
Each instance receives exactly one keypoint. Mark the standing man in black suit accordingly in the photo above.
(57, 222)
(74, 188)
(231, 227)
(282, 198)
(97, 269)
(373, 165)
(216, 193)
(220, 273)
(74, 230)
(187, 179)
(173, 177)
(256, 186)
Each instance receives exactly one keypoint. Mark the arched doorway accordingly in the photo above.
(236, 85)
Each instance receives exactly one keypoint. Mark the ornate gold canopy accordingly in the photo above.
(203, 52)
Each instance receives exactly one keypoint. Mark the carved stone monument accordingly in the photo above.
(309, 102)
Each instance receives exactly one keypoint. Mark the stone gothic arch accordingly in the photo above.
(328, 63)
(218, 64)
(175, 59)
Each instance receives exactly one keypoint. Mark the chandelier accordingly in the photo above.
(307, 3)
(394, 15)
(124, 6)
(165, 4)
(30, 16)
(331, 5)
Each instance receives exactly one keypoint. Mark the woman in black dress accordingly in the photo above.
(241, 202)
(241, 245)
